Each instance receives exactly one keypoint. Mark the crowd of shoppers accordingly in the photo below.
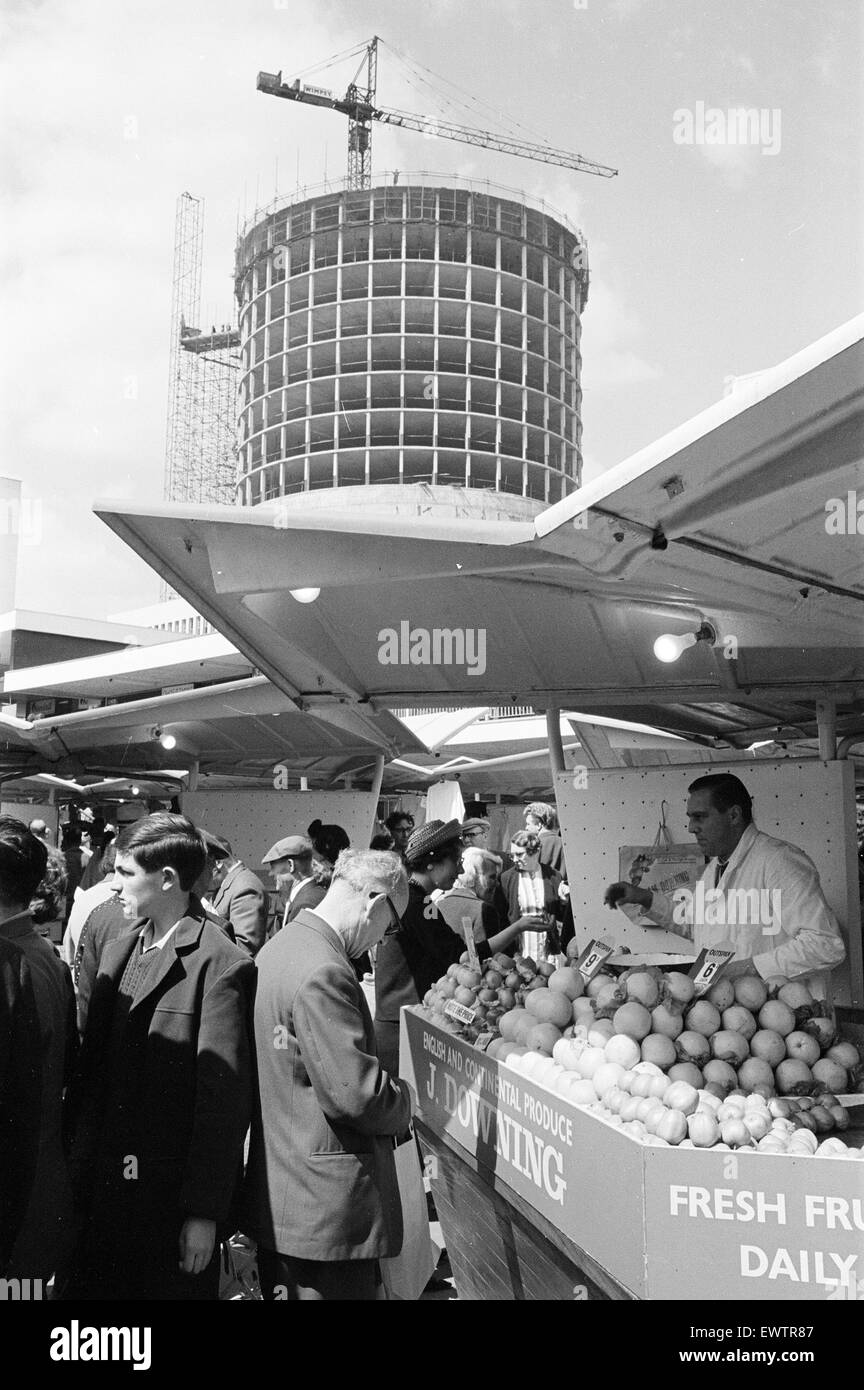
(125, 1113)
(139, 1053)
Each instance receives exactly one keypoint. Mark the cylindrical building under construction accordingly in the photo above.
(410, 334)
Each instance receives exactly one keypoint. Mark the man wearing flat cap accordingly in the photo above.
(290, 865)
(475, 835)
(239, 896)
(411, 959)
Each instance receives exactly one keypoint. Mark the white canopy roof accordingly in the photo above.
(722, 520)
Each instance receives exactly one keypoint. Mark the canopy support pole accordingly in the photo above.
(556, 747)
(377, 778)
(826, 723)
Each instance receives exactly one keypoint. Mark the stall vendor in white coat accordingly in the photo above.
(784, 927)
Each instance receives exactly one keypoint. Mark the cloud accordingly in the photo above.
(112, 111)
(736, 140)
(623, 10)
(738, 164)
(612, 333)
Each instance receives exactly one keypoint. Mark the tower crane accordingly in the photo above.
(358, 104)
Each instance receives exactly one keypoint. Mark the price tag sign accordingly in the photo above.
(459, 1012)
(468, 933)
(593, 957)
(707, 968)
(483, 1040)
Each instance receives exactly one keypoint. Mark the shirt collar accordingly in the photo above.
(155, 945)
(741, 848)
(230, 874)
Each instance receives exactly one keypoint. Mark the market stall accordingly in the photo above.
(607, 811)
(542, 1198)
(711, 541)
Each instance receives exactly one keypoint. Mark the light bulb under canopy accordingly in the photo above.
(304, 595)
(669, 646)
(168, 741)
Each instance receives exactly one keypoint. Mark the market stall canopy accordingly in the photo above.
(243, 727)
(131, 671)
(29, 638)
(729, 521)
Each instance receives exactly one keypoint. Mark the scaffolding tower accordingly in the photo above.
(201, 447)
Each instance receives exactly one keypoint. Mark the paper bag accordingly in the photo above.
(406, 1275)
(663, 866)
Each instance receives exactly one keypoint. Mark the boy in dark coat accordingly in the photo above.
(160, 1105)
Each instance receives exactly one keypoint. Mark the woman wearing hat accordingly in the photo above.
(419, 951)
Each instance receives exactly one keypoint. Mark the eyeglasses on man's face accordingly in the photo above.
(395, 920)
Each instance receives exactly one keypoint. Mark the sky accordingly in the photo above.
(709, 257)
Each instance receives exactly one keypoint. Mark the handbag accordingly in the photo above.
(406, 1275)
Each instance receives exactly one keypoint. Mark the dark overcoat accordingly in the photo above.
(157, 1133)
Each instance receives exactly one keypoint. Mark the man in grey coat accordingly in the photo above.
(238, 895)
(321, 1197)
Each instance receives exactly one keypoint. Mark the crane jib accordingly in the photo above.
(362, 112)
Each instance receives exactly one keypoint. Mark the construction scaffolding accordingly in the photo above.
(201, 449)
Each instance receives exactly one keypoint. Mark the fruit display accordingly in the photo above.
(645, 1103)
(500, 988)
(752, 1064)
(768, 1037)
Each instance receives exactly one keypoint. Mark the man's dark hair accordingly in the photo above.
(164, 840)
(217, 846)
(106, 863)
(726, 791)
(396, 818)
(23, 859)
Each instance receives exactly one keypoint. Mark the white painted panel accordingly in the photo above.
(255, 820)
